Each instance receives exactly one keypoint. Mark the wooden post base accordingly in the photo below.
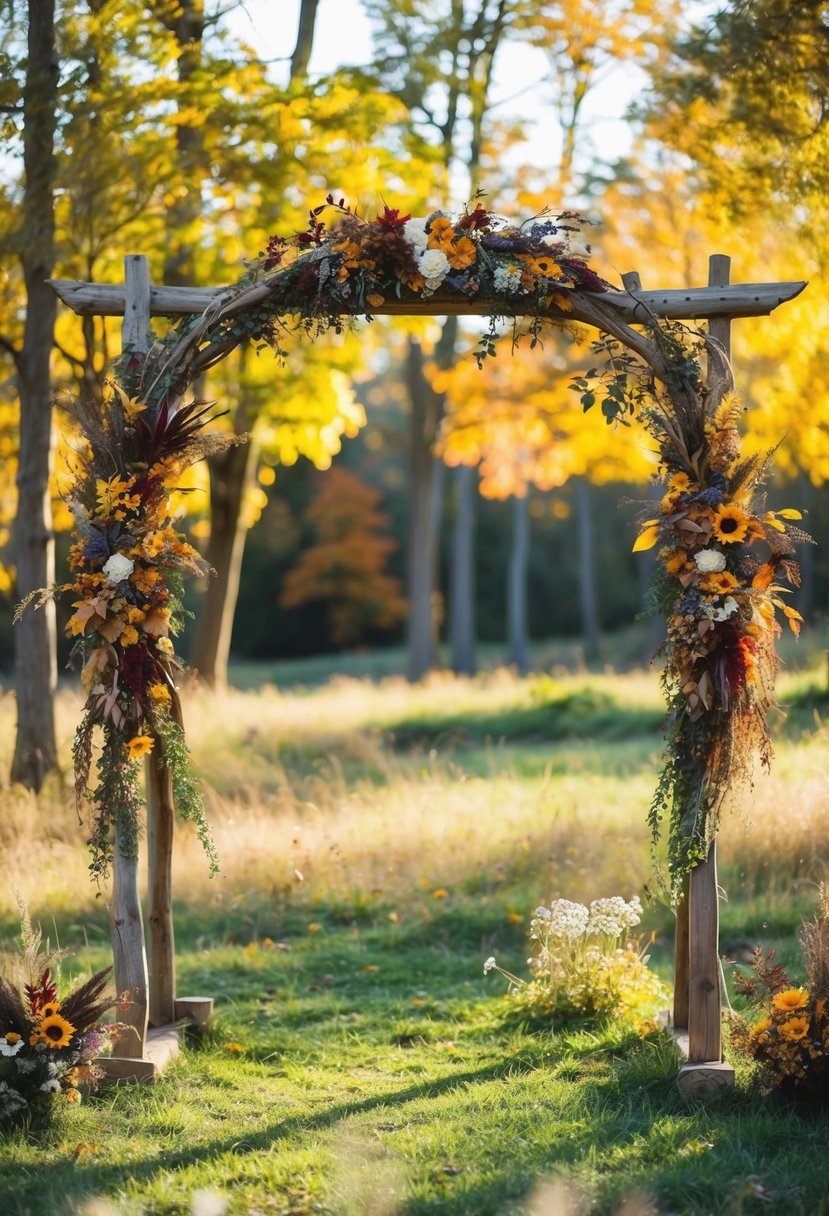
(194, 1010)
(162, 1044)
(704, 1078)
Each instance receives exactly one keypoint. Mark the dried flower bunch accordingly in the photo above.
(724, 560)
(127, 560)
(47, 1042)
(788, 1034)
(585, 963)
(358, 264)
(349, 265)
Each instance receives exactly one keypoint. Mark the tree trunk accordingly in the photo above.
(231, 475)
(185, 20)
(587, 570)
(425, 500)
(420, 630)
(517, 585)
(35, 752)
(462, 575)
(304, 38)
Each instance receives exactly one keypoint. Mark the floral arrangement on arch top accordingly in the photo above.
(357, 265)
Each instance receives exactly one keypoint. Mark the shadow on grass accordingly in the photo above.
(619, 1106)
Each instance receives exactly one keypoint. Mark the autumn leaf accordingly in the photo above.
(648, 537)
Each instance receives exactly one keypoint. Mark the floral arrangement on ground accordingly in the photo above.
(787, 1030)
(47, 1042)
(586, 965)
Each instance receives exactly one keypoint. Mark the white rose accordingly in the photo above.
(117, 568)
(415, 233)
(709, 561)
(434, 266)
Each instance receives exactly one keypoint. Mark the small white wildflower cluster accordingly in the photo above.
(584, 962)
(507, 279)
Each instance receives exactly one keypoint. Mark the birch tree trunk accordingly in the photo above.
(462, 574)
(519, 654)
(35, 753)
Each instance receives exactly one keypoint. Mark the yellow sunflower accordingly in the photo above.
(140, 746)
(719, 582)
(679, 483)
(730, 524)
(790, 999)
(56, 1031)
(795, 1029)
(159, 693)
(49, 1011)
(761, 1028)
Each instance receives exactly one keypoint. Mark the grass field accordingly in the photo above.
(378, 842)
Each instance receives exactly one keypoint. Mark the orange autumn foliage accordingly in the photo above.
(346, 565)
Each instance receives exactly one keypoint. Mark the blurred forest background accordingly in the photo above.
(386, 476)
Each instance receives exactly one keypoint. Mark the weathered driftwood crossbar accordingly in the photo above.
(697, 998)
(734, 300)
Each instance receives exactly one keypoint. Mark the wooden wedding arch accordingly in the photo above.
(155, 1010)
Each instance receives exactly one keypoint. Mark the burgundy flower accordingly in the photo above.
(391, 218)
(475, 220)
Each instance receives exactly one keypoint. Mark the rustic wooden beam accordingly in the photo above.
(735, 300)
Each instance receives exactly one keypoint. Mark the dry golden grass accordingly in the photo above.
(306, 795)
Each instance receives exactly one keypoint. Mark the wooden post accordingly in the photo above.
(125, 920)
(704, 998)
(135, 331)
(128, 953)
(705, 1070)
(160, 823)
(136, 334)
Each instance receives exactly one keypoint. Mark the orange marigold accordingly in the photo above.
(461, 253)
(441, 232)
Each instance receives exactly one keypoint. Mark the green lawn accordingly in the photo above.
(378, 843)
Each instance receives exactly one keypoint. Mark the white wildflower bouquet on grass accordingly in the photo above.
(585, 963)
